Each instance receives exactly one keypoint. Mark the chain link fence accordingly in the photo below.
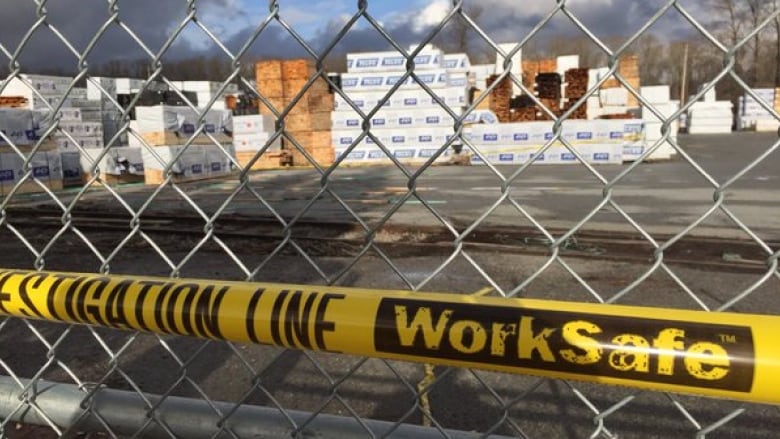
(323, 225)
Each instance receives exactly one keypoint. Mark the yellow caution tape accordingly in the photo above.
(727, 355)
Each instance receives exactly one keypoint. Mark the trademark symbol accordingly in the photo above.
(728, 338)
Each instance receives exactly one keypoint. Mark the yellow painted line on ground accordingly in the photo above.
(423, 389)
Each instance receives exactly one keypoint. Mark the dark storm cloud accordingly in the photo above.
(605, 19)
(79, 21)
(153, 21)
(275, 42)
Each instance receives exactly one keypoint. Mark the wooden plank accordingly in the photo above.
(171, 138)
(500, 97)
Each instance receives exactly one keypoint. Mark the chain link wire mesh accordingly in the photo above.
(305, 387)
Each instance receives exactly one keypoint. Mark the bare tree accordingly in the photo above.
(757, 9)
(458, 36)
(590, 54)
(654, 60)
(775, 8)
(730, 20)
(736, 19)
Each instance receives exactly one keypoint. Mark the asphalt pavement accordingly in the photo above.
(663, 197)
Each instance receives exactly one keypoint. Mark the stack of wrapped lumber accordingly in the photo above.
(307, 125)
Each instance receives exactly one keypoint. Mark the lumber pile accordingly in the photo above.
(548, 86)
(500, 97)
(576, 83)
(532, 68)
(523, 109)
(576, 87)
(554, 92)
(523, 114)
(548, 90)
(308, 123)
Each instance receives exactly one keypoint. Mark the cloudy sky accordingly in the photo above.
(317, 21)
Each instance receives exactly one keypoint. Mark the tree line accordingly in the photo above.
(662, 60)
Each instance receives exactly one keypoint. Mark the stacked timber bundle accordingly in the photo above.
(576, 87)
(530, 70)
(548, 65)
(548, 86)
(576, 83)
(533, 68)
(548, 89)
(269, 84)
(523, 109)
(308, 122)
(525, 114)
(500, 97)
(554, 105)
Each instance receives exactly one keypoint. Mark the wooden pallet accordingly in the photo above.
(171, 138)
(500, 97)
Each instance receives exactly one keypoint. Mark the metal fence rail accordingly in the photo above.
(307, 228)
